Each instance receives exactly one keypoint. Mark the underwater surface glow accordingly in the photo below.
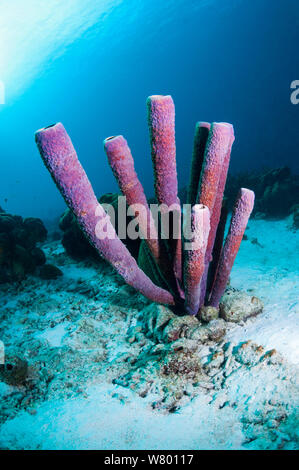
(34, 33)
(60, 61)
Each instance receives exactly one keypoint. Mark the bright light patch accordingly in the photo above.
(35, 32)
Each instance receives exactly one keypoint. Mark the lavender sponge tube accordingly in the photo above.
(194, 258)
(122, 164)
(241, 213)
(161, 115)
(216, 149)
(61, 160)
(161, 121)
(199, 145)
(228, 139)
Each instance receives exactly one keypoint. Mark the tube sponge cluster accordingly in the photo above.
(195, 276)
(60, 158)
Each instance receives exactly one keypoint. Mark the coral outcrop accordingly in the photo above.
(237, 306)
(19, 253)
(183, 277)
(276, 191)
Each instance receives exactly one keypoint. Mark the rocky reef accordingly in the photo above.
(276, 191)
(19, 251)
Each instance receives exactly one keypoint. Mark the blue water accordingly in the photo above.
(91, 65)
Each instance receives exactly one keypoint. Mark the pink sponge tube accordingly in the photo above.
(220, 136)
(122, 164)
(240, 216)
(218, 244)
(161, 117)
(215, 216)
(216, 149)
(199, 145)
(194, 259)
(60, 158)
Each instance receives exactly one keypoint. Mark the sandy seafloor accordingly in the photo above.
(71, 330)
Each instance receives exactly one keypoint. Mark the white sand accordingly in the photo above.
(98, 419)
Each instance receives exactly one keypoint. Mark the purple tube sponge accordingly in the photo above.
(199, 145)
(214, 162)
(228, 138)
(194, 258)
(240, 216)
(61, 160)
(219, 139)
(122, 164)
(218, 244)
(161, 116)
(161, 121)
